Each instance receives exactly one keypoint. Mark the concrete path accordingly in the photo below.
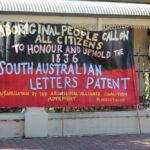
(119, 142)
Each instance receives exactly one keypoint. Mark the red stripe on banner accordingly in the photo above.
(112, 88)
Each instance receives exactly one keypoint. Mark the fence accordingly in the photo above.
(37, 123)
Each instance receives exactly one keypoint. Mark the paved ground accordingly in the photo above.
(121, 142)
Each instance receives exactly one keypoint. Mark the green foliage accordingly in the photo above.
(146, 86)
(10, 110)
(86, 109)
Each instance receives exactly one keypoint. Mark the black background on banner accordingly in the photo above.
(125, 61)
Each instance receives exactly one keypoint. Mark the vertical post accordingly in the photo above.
(139, 69)
(63, 109)
(149, 81)
(143, 84)
(138, 117)
(137, 106)
(36, 122)
(99, 24)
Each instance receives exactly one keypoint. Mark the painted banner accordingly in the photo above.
(57, 65)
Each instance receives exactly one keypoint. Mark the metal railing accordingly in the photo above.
(143, 78)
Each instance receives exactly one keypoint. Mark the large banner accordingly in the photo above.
(61, 66)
